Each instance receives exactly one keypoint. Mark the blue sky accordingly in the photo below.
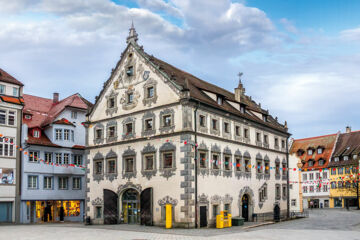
(300, 59)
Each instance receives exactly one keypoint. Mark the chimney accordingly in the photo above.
(348, 129)
(55, 97)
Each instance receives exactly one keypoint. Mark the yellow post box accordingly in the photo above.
(220, 221)
(168, 216)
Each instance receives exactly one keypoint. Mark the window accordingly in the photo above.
(347, 185)
(129, 164)
(72, 135)
(283, 143)
(111, 102)
(321, 162)
(227, 161)
(311, 189)
(291, 186)
(214, 124)
(325, 188)
(304, 176)
(98, 212)
(276, 142)
(58, 134)
(150, 92)
(33, 156)
(293, 202)
(73, 114)
(226, 127)
(63, 183)
(148, 124)
(310, 152)
(111, 132)
(246, 133)
(340, 171)
(215, 211)
(2, 116)
(11, 118)
(305, 189)
(259, 166)
(7, 147)
(340, 184)
(355, 156)
(320, 151)
(111, 166)
(66, 158)
(202, 160)
(15, 92)
(130, 98)
(277, 168)
(333, 185)
(284, 169)
(58, 158)
(149, 162)
(202, 120)
(32, 182)
(36, 133)
(333, 171)
(317, 175)
(66, 134)
(98, 133)
(347, 170)
(77, 183)
(227, 207)
(238, 164)
(219, 100)
(267, 167)
(2, 89)
(247, 163)
(266, 139)
(324, 175)
(167, 121)
(242, 109)
(168, 159)
(311, 175)
(258, 137)
(48, 157)
(311, 163)
(336, 159)
(346, 158)
(130, 71)
(264, 117)
(78, 160)
(27, 116)
(48, 183)
(215, 159)
(277, 191)
(98, 167)
(237, 130)
(129, 128)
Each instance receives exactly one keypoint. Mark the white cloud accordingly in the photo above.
(288, 25)
(351, 34)
(161, 6)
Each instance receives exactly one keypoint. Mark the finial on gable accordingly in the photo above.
(133, 36)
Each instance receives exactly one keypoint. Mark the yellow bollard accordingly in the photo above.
(230, 220)
(168, 217)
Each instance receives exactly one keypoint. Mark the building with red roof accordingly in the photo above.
(11, 104)
(53, 183)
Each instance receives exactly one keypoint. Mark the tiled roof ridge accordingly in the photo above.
(6, 77)
(316, 137)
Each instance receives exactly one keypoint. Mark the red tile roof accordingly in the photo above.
(5, 77)
(327, 142)
(63, 121)
(42, 140)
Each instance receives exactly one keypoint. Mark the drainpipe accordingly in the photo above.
(287, 178)
(196, 165)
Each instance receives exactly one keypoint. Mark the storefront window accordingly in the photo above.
(71, 208)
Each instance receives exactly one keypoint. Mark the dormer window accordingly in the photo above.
(321, 162)
(300, 152)
(36, 133)
(15, 92)
(355, 156)
(320, 150)
(346, 158)
(27, 116)
(219, 100)
(2, 89)
(264, 118)
(336, 159)
(310, 152)
(242, 109)
(311, 163)
(130, 71)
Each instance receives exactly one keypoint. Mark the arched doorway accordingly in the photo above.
(131, 206)
(110, 207)
(277, 213)
(146, 206)
(245, 207)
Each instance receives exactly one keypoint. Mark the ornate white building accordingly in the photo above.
(148, 126)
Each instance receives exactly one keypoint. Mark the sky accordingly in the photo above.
(300, 59)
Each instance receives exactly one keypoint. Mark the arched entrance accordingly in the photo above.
(110, 207)
(245, 207)
(277, 213)
(131, 206)
(146, 206)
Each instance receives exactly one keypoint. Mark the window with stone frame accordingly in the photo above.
(227, 207)
(237, 131)
(276, 143)
(111, 165)
(277, 168)
(238, 163)
(263, 193)
(202, 159)
(167, 159)
(277, 191)
(215, 161)
(214, 124)
(246, 133)
(284, 191)
(148, 166)
(98, 133)
(215, 210)
(128, 128)
(227, 162)
(150, 95)
(266, 139)
(149, 124)
(130, 98)
(150, 92)
(98, 167)
(111, 102)
(226, 127)
(267, 167)
(283, 144)
(166, 120)
(129, 164)
(247, 162)
(258, 137)
(130, 71)
(284, 172)
(111, 131)
(98, 212)
(202, 120)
